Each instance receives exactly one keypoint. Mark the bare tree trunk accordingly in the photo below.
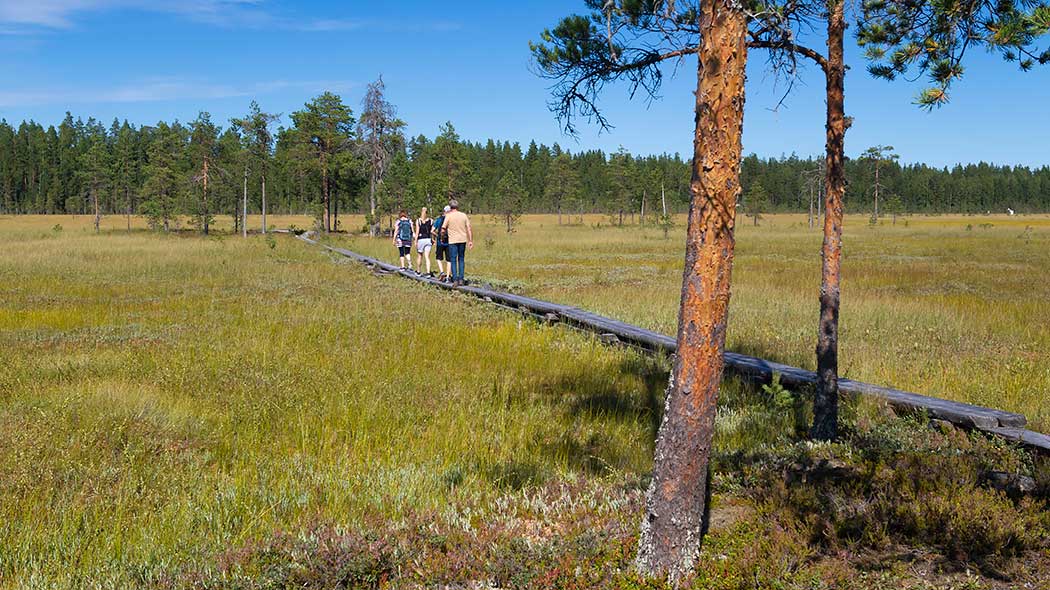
(875, 215)
(559, 212)
(127, 200)
(810, 218)
(244, 203)
(98, 217)
(326, 220)
(663, 199)
(204, 198)
(676, 505)
(821, 195)
(641, 217)
(826, 400)
(373, 226)
(264, 201)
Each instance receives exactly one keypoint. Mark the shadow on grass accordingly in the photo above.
(592, 395)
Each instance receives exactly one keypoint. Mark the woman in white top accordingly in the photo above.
(423, 239)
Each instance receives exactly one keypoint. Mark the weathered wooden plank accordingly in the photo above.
(1029, 438)
(1007, 424)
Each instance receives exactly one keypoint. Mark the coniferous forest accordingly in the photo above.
(324, 162)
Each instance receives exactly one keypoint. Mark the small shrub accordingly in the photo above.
(781, 398)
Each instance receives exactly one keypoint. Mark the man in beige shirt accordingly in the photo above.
(460, 238)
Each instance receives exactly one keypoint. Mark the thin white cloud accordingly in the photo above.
(163, 89)
(31, 16)
(333, 25)
(60, 14)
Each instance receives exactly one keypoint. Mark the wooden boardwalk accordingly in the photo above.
(998, 422)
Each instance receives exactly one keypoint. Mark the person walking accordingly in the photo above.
(460, 239)
(440, 233)
(403, 240)
(423, 241)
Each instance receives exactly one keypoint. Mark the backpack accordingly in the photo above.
(404, 231)
(442, 231)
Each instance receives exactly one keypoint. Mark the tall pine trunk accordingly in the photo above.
(826, 401)
(676, 505)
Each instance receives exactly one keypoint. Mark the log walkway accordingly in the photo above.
(1001, 423)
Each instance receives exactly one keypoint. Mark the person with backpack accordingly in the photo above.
(403, 233)
(423, 241)
(440, 233)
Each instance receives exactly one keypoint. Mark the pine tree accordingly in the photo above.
(562, 184)
(627, 41)
(326, 126)
(203, 151)
(164, 186)
(231, 160)
(510, 199)
(258, 140)
(94, 169)
(621, 168)
(125, 171)
(878, 156)
(756, 201)
(450, 160)
(933, 38)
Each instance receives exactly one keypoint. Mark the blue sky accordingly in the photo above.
(467, 62)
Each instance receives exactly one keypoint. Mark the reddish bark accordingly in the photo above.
(825, 405)
(676, 507)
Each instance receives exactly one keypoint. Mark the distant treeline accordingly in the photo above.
(130, 169)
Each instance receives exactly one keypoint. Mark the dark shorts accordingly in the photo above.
(404, 250)
(442, 252)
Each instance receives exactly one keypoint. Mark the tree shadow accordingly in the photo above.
(632, 394)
